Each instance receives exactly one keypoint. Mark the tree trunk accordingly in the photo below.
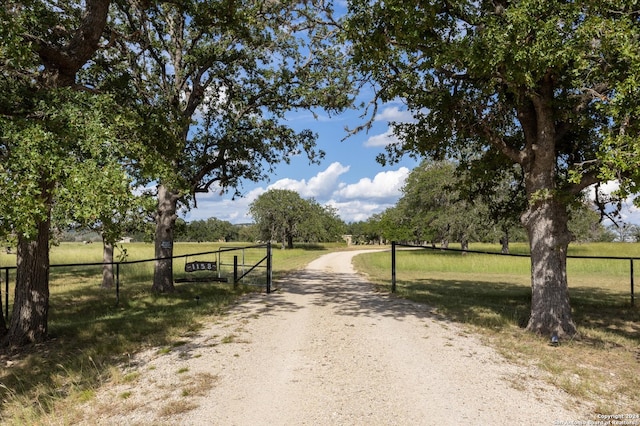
(464, 245)
(549, 238)
(504, 241)
(107, 265)
(546, 218)
(165, 223)
(289, 241)
(31, 302)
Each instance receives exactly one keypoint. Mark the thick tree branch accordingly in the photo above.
(62, 63)
(586, 180)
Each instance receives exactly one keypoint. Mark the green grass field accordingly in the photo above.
(504, 281)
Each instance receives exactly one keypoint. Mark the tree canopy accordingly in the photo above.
(282, 215)
(433, 204)
(214, 80)
(548, 86)
(220, 76)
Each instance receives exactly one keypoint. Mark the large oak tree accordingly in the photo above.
(47, 125)
(551, 86)
(222, 75)
(282, 215)
(66, 143)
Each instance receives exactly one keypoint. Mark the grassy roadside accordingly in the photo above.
(491, 296)
(92, 337)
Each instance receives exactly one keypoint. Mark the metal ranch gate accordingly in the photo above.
(249, 265)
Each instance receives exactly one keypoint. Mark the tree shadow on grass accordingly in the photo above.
(89, 334)
(606, 311)
(497, 304)
(487, 304)
(92, 333)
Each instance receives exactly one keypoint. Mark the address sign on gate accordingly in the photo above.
(200, 266)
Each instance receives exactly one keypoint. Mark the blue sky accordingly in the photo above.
(348, 179)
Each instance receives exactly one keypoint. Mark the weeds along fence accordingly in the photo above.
(596, 272)
(248, 265)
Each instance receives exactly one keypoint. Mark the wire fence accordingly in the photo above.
(396, 245)
(249, 265)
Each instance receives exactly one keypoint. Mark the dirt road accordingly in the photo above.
(327, 350)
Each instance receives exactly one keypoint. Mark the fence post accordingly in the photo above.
(632, 289)
(269, 267)
(118, 284)
(6, 293)
(235, 271)
(393, 266)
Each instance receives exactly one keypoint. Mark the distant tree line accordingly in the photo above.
(439, 205)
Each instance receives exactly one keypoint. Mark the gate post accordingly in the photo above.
(235, 271)
(633, 302)
(393, 266)
(269, 267)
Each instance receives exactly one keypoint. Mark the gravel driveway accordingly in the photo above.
(326, 350)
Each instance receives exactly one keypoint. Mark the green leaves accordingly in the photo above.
(493, 74)
(282, 215)
(66, 152)
(213, 80)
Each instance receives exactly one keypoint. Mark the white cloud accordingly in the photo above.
(353, 202)
(384, 186)
(321, 186)
(215, 205)
(629, 213)
(358, 210)
(383, 139)
(389, 114)
(605, 188)
(394, 114)
(221, 206)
